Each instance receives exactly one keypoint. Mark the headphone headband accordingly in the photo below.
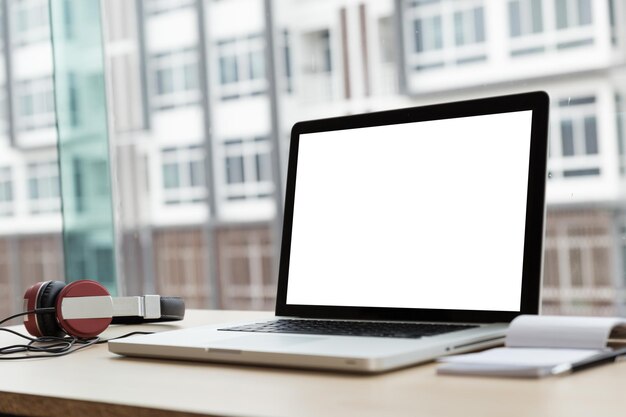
(85, 308)
(171, 309)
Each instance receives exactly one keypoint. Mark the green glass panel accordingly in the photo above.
(88, 229)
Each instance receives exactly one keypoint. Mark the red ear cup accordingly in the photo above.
(30, 302)
(42, 295)
(51, 294)
(82, 327)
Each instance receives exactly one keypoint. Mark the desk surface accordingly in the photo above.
(96, 382)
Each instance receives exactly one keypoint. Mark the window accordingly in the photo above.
(6, 191)
(247, 168)
(241, 67)
(31, 21)
(286, 56)
(43, 187)
(568, 24)
(245, 261)
(620, 130)
(614, 27)
(180, 259)
(316, 83)
(386, 40)
(525, 17)
(446, 33)
(388, 75)
(572, 13)
(576, 126)
(34, 104)
(162, 6)
(578, 262)
(319, 59)
(449, 50)
(428, 34)
(90, 188)
(183, 174)
(469, 26)
(175, 78)
(3, 110)
(68, 20)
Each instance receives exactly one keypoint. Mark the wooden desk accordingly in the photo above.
(94, 382)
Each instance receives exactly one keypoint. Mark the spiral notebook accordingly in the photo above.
(537, 346)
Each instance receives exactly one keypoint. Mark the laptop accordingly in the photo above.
(408, 234)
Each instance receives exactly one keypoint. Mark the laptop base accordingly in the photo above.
(339, 353)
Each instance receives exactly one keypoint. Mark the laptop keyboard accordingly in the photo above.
(350, 328)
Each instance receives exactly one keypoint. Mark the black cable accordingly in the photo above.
(35, 311)
(53, 346)
(30, 347)
(122, 336)
(33, 339)
(85, 343)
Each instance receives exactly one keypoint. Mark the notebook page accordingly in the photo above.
(520, 362)
(561, 332)
(522, 357)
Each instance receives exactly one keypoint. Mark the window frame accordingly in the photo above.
(182, 160)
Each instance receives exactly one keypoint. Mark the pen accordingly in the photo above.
(596, 360)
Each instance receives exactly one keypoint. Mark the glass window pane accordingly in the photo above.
(591, 136)
(584, 12)
(257, 65)
(567, 137)
(51, 188)
(6, 192)
(54, 187)
(174, 72)
(428, 34)
(171, 177)
(228, 70)
(263, 168)
(459, 29)
(620, 122)
(286, 54)
(612, 13)
(165, 81)
(561, 14)
(196, 169)
(450, 54)
(327, 54)
(514, 19)
(479, 25)
(191, 77)
(576, 267)
(418, 35)
(537, 15)
(26, 107)
(437, 33)
(234, 169)
(6, 186)
(22, 20)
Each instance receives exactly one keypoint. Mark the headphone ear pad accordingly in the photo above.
(48, 325)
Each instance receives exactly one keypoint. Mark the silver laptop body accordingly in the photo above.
(430, 215)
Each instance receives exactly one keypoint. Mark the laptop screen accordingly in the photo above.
(430, 213)
(420, 215)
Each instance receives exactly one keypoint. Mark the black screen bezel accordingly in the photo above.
(538, 103)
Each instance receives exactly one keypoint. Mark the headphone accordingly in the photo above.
(84, 309)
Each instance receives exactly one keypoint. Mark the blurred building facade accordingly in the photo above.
(191, 81)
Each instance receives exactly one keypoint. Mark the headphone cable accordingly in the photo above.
(35, 311)
(53, 345)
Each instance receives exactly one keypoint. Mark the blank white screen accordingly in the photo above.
(417, 215)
